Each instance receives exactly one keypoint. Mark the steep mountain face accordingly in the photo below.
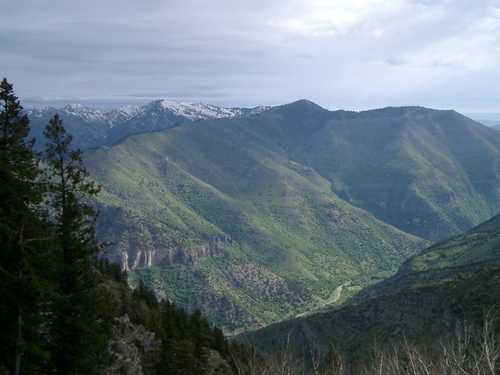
(93, 127)
(430, 173)
(455, 280)
(213, 215)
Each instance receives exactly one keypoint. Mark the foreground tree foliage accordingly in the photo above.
(60, 298)
(186, 339)
(21, 232)
(78, 329)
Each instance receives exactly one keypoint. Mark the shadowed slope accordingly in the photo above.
(455, 280)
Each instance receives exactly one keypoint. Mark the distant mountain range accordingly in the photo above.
(488, 119)
(93, 127)
(455, 281)
(255, 215)
(495, 124)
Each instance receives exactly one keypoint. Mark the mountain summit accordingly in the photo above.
(201, 111)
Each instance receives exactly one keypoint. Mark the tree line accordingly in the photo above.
(58, 295)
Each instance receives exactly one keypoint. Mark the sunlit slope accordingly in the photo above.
(213, 215)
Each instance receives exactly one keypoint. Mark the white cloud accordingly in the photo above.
(349, 53)
(325, 18)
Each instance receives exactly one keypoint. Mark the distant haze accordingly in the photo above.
(488, 119)
(352, 54)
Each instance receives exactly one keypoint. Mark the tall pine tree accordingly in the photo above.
(20, 232)
(78, 334)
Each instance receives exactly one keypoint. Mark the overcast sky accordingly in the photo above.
(351, 54)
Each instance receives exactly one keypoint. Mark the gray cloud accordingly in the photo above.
(342, 53)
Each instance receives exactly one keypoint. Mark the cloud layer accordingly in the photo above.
(340, 53)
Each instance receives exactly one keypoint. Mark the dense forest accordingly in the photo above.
(65, 309)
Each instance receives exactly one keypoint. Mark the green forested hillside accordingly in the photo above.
(221, 219)
(460, 256)
(479, 245)
(455, 281)
(430, 173)
(254, 219)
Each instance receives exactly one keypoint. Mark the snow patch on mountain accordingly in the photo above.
(93, 127)
(201, 111)
(190, 111)
(109, 117)
(86, 113)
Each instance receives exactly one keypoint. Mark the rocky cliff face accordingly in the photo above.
(132, 347)
(129, 347)
(191, 256)
(217, 365)
(139, 242)
(149, 254)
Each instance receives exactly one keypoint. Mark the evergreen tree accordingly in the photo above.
(219, 341)
(20, 237)
(201, 337)
(184, 360)
(78, 334)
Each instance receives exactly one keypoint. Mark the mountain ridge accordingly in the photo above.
(348, 147)
(419, 304)
(93, 127)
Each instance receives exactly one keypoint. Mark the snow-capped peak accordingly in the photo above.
(96, 127)
(196, 111)
(118, 116)
(87, 113)
(129, 110)
(201, 111)
(109, 117)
